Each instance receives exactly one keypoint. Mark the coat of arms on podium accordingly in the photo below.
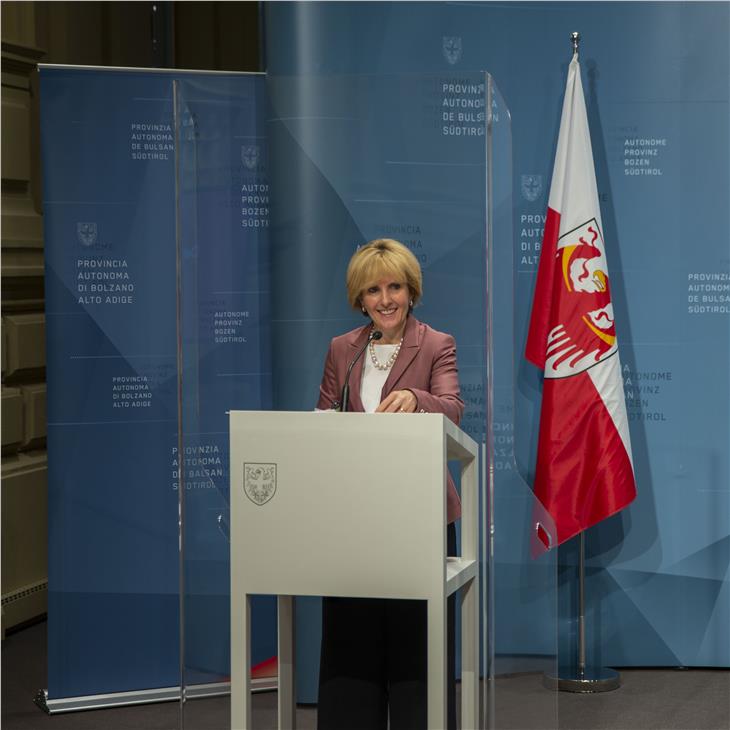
(259, 482)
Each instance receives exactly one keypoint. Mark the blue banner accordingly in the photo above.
(109, 168)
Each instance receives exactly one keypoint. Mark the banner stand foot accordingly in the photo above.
(590, 679)
(41, 700)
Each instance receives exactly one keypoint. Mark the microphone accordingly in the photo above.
(374, 335)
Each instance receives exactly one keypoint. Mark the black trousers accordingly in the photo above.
(373, 663)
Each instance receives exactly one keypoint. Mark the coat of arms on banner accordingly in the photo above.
(451, 47)
(531, 187)
(250, 155)
(259, 482)
(86, 233)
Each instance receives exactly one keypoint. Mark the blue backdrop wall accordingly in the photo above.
(657, 82)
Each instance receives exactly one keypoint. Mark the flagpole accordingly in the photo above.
(582, 606)
(575, 41)
(578, 676)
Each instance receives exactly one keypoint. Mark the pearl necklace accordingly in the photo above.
(379, 365)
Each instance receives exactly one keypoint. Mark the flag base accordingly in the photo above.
(590, 679)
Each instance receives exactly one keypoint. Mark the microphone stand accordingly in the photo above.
(374, 335)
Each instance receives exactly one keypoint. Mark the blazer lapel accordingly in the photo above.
(408, 351)
(356, 375)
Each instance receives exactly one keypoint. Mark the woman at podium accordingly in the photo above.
(373, 662)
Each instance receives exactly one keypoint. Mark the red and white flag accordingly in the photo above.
(584, 470)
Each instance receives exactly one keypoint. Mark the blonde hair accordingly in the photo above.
(378, 259)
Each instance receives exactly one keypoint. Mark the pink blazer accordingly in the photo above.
(426, 366)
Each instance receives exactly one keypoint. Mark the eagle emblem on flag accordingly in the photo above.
(583, 331)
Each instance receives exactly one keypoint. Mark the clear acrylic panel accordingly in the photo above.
(521, 645)
(223, 354)
(374, 156)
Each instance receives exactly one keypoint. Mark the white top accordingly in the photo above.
(374, 379)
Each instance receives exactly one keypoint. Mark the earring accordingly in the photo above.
(364, 311)
(410, 303)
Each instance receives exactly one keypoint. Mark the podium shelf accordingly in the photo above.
(459, 572)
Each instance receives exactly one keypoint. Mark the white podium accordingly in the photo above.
(350, 504)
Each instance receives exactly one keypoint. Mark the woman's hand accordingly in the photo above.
(399, 401)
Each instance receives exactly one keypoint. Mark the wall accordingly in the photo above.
(190, 35)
